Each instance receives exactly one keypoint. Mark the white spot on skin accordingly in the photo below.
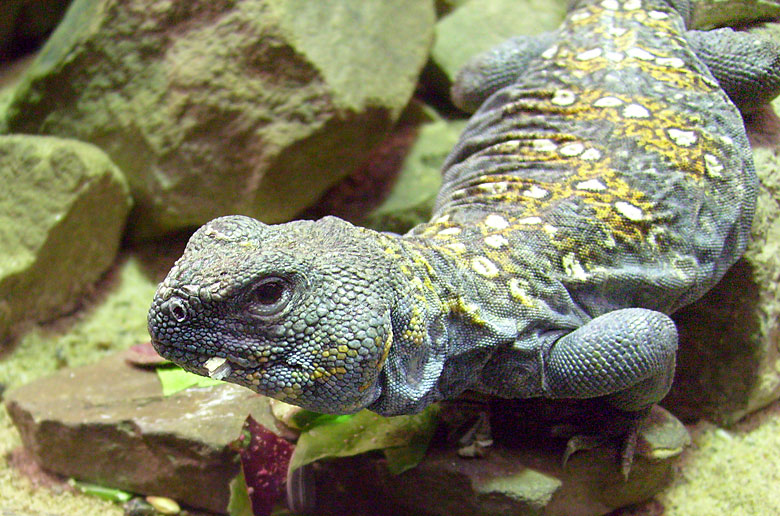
(635, 111)
(608, 102)
(564, 98)
(657, 15)
(572, 149)
(616, 31)
(496, 241)
(517, 292)
(449, 232)
(591, 155)
(632, 5)
(682, 138)
(442, 219)
(714, 166)
(592, 184)
(530, 220)
(458, 247)
(550, 52)
(484, 267)
(544, 145)
(672, 62)
(580, 16)
(629, 211)
(589, 54)
(572, 267)
(535, 192)
(638, 53)
(615, 57)
(550, 229)
(611, 5)
(496, 222)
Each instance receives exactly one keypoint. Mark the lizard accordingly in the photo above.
(604, 181)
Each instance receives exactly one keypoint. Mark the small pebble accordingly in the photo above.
(164, 505)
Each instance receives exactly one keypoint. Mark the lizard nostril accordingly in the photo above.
(177, 309)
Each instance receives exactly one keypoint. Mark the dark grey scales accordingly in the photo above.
(604, 182)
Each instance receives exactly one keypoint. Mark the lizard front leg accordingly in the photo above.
(627, 356)
(746, 66)
(499, 66)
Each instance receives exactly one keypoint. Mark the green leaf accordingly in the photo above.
(106, 493)
(239, 504)
(367, 431)
(175, 379)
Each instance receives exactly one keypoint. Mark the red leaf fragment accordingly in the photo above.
(264, 459)
(144, 355)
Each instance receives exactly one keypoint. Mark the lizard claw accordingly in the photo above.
(631, 422)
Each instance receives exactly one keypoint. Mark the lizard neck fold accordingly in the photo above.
(441, 319)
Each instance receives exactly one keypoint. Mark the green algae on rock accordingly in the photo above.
(63, 207)
(208, 108)
(477, 26)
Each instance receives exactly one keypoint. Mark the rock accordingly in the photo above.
(63, 206)
(477, 26)
(527, 479)
(411, 199)
(396, 187)
(24, 23)
(730, 471)
(247, 106)
(718, 13)
(729, 353)
(109, 424)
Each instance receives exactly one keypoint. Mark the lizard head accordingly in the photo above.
(294, 311)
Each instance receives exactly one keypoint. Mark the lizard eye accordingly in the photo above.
(269, 297)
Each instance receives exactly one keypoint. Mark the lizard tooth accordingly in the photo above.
(218, 368)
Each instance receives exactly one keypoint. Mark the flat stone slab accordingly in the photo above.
(108, 423)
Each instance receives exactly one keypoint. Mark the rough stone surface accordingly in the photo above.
(63, 206)
(729, 354)
(718, 13)
(522, 480)
(410, 200)
(476, 26)
(396, 187)
(108, 423)
(246, 106)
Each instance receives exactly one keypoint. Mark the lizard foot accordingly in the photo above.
(628, 424)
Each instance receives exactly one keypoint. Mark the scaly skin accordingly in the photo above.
(606, 185)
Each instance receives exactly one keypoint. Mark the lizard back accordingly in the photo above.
(615, 165)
